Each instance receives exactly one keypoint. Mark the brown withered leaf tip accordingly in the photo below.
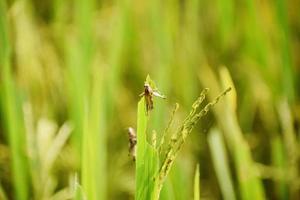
(132, 143)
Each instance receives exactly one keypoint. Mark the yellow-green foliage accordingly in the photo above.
(70, 77)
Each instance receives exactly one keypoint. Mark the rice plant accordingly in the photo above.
(153, 164)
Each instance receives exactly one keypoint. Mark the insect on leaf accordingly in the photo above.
(150, 90)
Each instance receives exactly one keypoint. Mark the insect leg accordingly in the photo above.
(142, 94)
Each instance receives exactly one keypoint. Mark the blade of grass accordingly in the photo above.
(79, 51)
(220, 163)
(197, 183)
(250, 185)
(279, 160)
(94, 144)
(286, 65)
(87, 103)
(291, 146)
(12, 109)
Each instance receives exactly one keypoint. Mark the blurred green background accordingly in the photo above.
(71, 73)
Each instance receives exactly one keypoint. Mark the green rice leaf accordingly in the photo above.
(12, 112)
(146, 158)
(197, 183)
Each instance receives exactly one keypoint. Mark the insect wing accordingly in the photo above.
(155, 93)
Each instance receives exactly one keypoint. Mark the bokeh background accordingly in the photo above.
(71, 75)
